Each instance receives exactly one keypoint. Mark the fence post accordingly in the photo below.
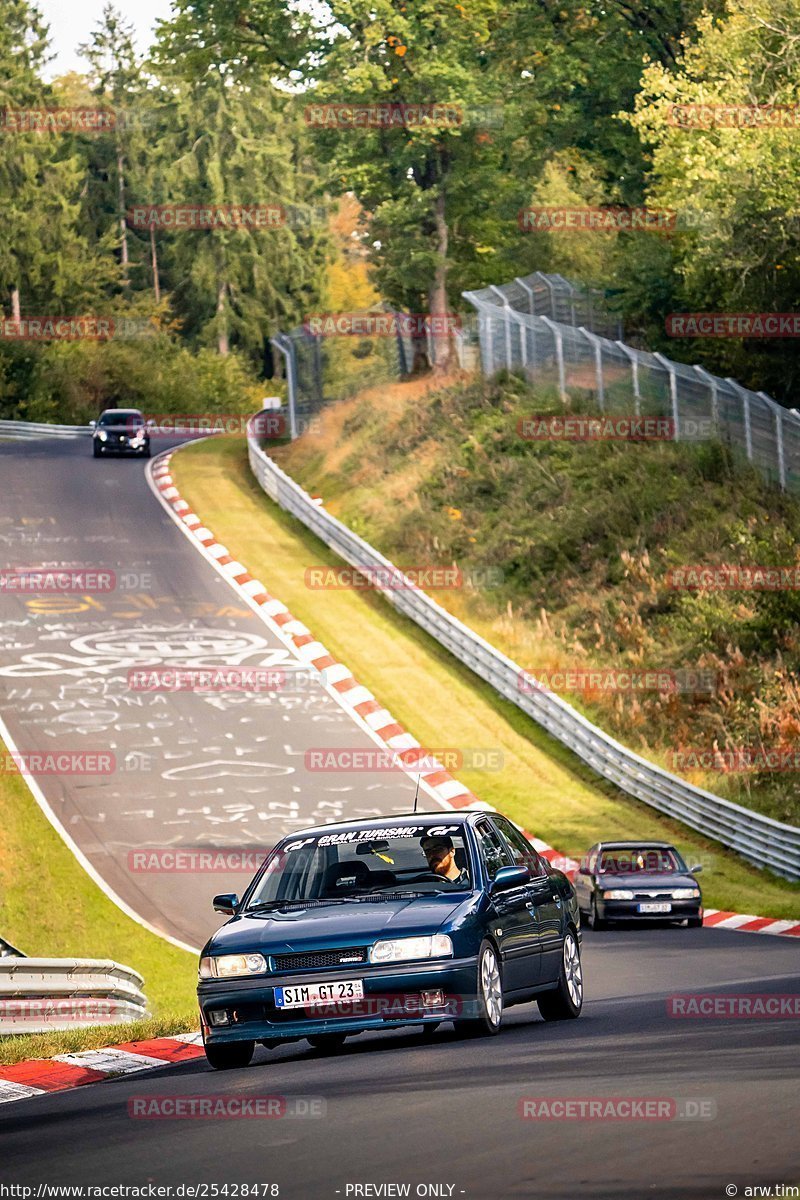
(669, 367)
(711, 382)
(777, 412)
(633, 359)
(287, 350)
(744, 395)
(528, 290)
(594, 341)
(507, 320)
(559, 341)
(485, 324)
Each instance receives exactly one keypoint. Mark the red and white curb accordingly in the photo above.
(40, 1076)
(745, 923)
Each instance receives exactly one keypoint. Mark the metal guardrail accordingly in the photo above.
(757, 838)
(39, 429)
(41, 994)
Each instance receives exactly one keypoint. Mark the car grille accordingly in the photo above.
(653, 895)
(350, 956)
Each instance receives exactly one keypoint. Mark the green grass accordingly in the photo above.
(541, 785)
(52, 909)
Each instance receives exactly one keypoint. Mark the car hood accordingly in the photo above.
(644, 882)
(125, 428)
(335, 925)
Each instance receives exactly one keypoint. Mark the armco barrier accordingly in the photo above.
(38, 429)
(41, 994)
(757, 838)
(26, 430)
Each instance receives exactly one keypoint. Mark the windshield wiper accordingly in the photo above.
(267, 905)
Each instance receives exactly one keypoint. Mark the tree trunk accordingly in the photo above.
(15, 309)
(223, 344)
(154, 264)
(123, 228)
(441, 347)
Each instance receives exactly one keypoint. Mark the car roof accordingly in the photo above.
(121, 412)
(418, 818)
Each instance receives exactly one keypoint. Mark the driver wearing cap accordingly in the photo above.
(441, 855)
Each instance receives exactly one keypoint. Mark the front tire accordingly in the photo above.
(230, 1055)
(694, 922)
(96, 451)
(566, 1000)
(595, 922)
(488, 996)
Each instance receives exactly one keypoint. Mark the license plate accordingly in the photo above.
(654, 908)
(309, 994)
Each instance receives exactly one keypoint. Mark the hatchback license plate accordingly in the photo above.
(655, 908)
(309, 994)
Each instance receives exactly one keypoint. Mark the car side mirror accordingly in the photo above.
(227, 903)
(695, 870)
(93, 424)
(510, 877)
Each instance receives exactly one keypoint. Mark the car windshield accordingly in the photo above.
(122, 417)
(361, 864)
(638, 860)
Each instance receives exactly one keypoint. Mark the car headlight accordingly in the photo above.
(227, 966)
(618, 894)
(686, 894)
(102, 435)
(137, 439)
(438, 945)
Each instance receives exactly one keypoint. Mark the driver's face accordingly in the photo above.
(440, 859)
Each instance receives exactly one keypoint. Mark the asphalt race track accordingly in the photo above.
(443, 1117)
(400, 1110)
(191, 770)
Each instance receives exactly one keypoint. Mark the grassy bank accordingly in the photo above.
(51, 908)
(540, 784)
(580, 540)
